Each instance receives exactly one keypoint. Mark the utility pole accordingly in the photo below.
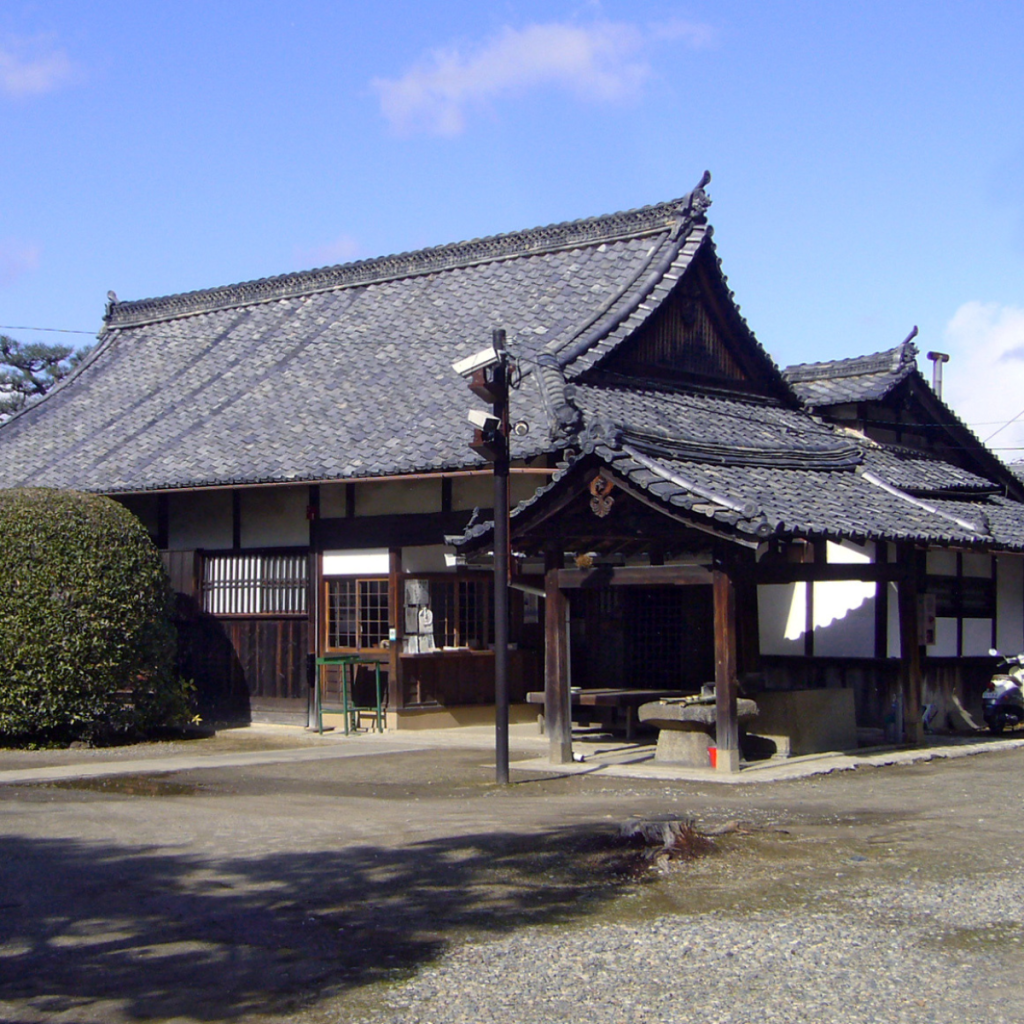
(488, 373)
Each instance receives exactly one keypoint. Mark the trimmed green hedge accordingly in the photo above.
(86, 641)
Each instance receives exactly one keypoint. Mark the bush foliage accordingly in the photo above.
(86, 641)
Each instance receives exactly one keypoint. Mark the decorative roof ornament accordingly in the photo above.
(694, 207)
(601, 500)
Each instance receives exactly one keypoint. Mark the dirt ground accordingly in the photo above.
(293, 892)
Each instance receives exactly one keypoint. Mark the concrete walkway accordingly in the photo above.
(631, 762)
(528, 756)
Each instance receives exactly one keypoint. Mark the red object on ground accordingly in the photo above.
(713, 754)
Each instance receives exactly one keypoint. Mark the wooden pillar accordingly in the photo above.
(396, 620)
(313, 595)
(910, 649)
(557, 706)
(314, 576)
(727, 727)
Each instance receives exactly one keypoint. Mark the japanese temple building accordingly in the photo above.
(297, 447)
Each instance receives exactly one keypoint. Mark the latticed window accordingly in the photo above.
(357, 613)
(255, 584)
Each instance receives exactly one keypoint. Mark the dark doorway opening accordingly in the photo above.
(643, 637)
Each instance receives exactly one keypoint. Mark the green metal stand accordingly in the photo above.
(347, 662)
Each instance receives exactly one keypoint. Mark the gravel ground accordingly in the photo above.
(912, 953)
(407, 887)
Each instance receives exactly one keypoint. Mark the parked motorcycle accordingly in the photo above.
(1002, 702)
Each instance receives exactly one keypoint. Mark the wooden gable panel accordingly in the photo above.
(696, 337)
(681, 339)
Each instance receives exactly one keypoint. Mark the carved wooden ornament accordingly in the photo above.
(601, 501)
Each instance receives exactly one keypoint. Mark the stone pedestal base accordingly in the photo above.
(684, 746)
(685, 732)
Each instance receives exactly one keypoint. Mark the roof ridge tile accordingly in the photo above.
(626, 224)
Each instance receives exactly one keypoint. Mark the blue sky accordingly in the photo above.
(867, 159)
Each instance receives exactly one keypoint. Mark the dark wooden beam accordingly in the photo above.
(726, 723)
(396, 619)
(910, 648)
(313, 647)
(824, 573)
(634, 576)
(557, 708)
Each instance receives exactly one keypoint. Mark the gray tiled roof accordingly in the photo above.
(337, 373)
(923, 474)
(863, 379)
(764, 471)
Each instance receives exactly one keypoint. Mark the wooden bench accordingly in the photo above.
(611, 703)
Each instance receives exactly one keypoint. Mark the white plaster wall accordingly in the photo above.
(893, 613)
(977, 564)
(945, 638)
(1010, 603)
(977, 637)
(782, 617)
(939, 562)
(359, 562)
(426, 559)
(274, 517)
(847, 553)
(398, 497)
(199, 519)
(524, 485)
(844, 619)
(332, 501)
(469, 492)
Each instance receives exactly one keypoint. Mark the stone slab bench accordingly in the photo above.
(685, 731)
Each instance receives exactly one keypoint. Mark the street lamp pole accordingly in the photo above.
(501, 560)
(489, 374)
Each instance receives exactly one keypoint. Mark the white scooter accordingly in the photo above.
(1002, 701)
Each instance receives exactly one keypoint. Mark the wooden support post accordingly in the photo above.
(557, 704)
(396, 617)
(727, 727)
(910, 650)
(315, 570)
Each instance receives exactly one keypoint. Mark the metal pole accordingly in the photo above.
(937, 358)
(501, 553)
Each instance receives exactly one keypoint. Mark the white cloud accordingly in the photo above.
(343, 249)
(32, 67)
(603, 61)
(16, 259)
(984, 379)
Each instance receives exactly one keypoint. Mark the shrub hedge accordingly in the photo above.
(86, 641)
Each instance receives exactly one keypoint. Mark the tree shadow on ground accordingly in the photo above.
(169, 935)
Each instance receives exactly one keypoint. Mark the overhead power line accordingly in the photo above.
(1003, 427)
(55, 330)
